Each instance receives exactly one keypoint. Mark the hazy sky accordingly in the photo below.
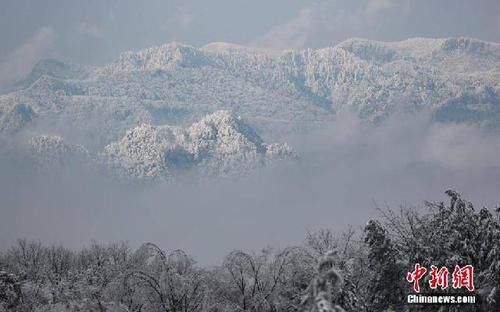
(96, 31)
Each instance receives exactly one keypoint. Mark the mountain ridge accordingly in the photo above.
(279, 92)
(218, 145)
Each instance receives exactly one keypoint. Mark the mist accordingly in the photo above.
(346, 169)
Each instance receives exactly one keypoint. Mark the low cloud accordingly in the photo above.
(21, 60)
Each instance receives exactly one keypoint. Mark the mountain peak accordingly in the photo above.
(219, 144)
(166, 56)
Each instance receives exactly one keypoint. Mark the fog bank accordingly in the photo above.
(346, 169)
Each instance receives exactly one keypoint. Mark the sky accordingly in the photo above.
(96, 32)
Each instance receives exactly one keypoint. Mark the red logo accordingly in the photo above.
(464, 277)
(439, 277)
(415, 276)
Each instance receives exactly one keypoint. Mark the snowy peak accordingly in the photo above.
(481, 54)
(167, 56)
(218, 145)
(222, 127)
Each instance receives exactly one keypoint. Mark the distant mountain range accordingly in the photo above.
(138, 101)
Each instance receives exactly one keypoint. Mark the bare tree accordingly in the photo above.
(171, 283)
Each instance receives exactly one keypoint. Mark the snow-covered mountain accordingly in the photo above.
(117, 106)
(220, 144)
(278, 91)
